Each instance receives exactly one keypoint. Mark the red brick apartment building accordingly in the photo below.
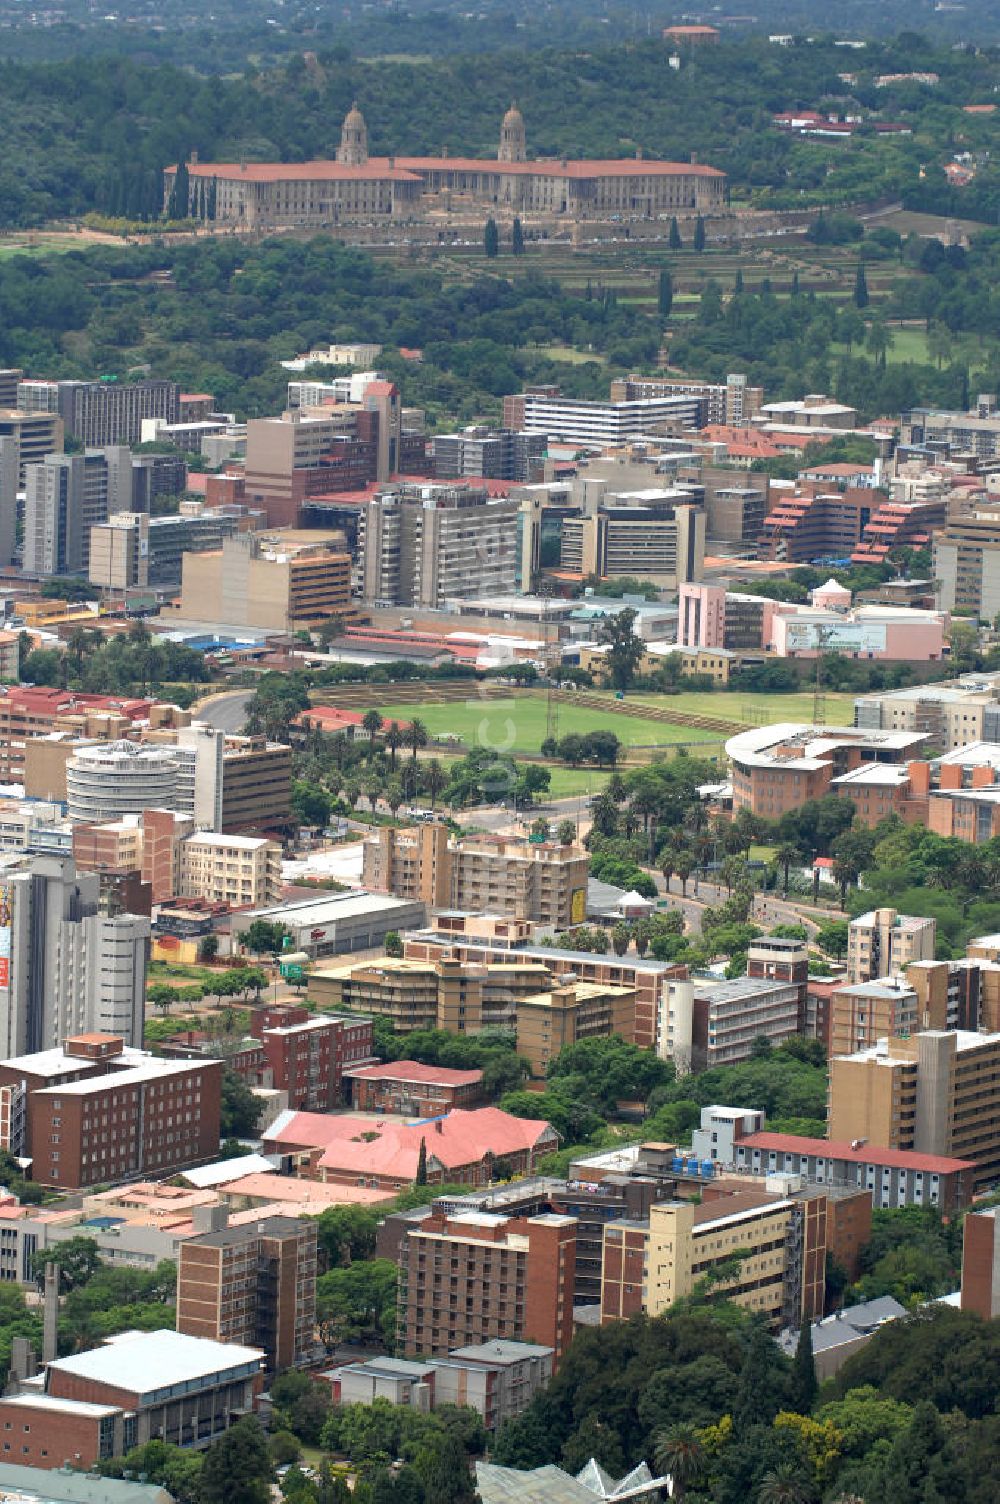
(470, 1278)
(135, 1387)
(305, 1061)
(814, 522)
(406, 1086)
(253, 1284)
(97, 1111)
(293, 1051)
(981, 1264)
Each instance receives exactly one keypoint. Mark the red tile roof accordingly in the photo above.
(384, 1147)
(327, 717)
(414, 1070)
(866, 1154)
(301, 172)
(411, 169)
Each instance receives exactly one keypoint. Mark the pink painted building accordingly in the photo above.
(701, 622)
(831, 597)
(869, 632)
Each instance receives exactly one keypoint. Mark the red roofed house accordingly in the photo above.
(464, 1147)
(406, 1086)
(691, 36)
(333, 721)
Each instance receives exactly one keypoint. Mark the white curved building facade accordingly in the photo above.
(112, 779)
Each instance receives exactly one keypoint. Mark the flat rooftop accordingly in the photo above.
(329, 907)
(148, 1363)
(153, 1069)
(56, 1062)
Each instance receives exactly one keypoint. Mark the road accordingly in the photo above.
(768, 908)
(502, 821)
(226, 712)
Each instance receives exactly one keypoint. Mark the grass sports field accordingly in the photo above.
(754, 710)
(519, 725)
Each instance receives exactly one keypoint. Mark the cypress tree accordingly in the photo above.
(421, 1178)
(665, 296)
(182, 188)
(738, 284)
(861, 287)
(761, 1390)
(517, 239)
(699, 234)
(803, 1381)
(795, 284)
(675, 242)
(491, 238)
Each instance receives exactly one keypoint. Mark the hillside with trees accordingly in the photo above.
(95, 133)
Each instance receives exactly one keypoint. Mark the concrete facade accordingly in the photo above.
(69, 969)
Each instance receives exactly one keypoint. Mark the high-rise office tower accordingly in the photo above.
(66, 968)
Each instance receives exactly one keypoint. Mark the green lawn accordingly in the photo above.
(40, 245)
(567, 783)
(756, 710)
(907, 345)
(519, 725)
(569, 355)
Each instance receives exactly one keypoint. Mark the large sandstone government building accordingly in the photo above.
(358, 187)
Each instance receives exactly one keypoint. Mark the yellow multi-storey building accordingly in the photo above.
(936, 1092)
(766, 1253)
(548, 1021)
(541, 881)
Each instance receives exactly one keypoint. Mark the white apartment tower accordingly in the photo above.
(65, 968)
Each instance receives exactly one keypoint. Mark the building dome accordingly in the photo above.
(513, 142)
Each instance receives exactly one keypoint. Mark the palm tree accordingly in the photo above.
(77, 647)
(685, 866)
(394, 795)
(416, 737)
(679, 1453)
(373, 789)
(645, 803)
(785, 855)
(668, 864)
(436, 779)
(372, 724)
(408, 780)
(621, 937)
(785, 1484)
(703, 847)
(393, 740)
(604, 814)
